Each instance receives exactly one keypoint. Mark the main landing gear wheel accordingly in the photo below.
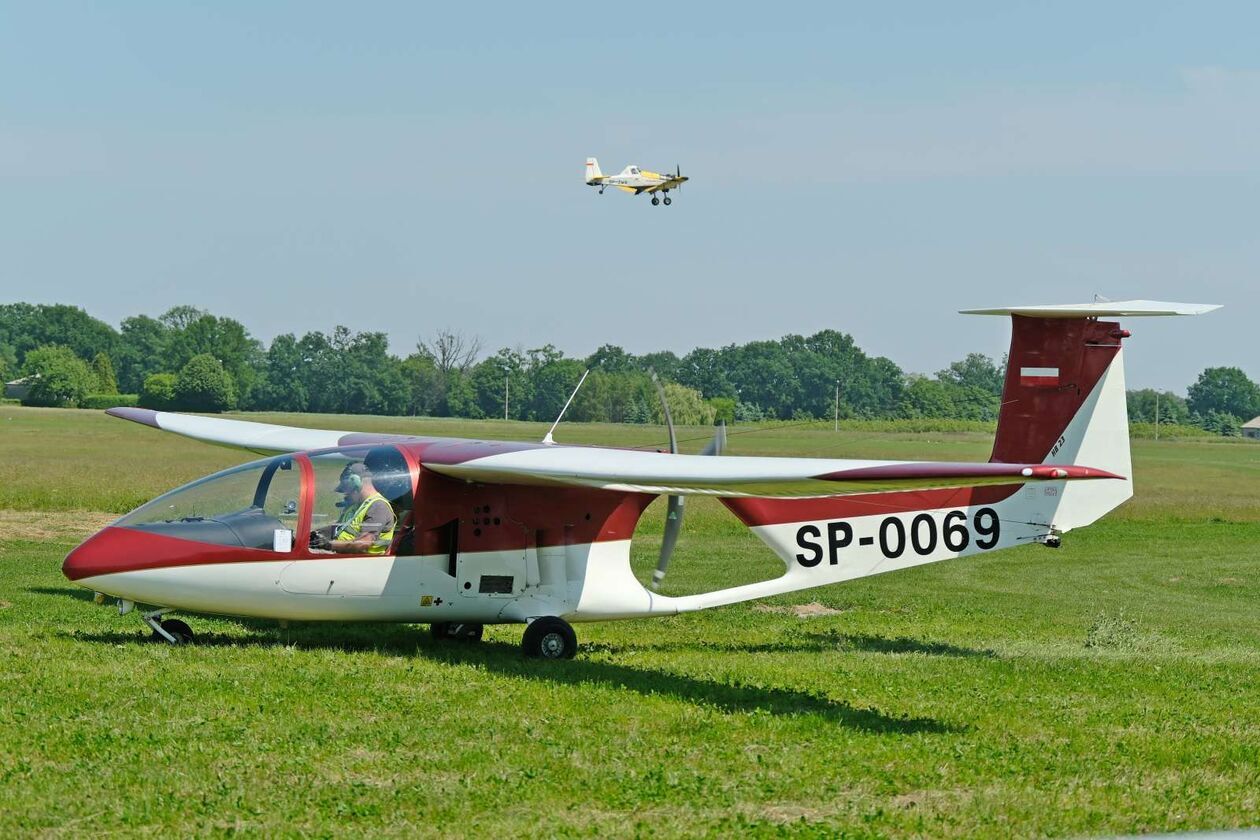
(178, 630)
(457, 631)
(655, 201)
(549, 637)
(668, 201)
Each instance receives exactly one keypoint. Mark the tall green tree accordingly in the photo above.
(59, 377)
(204, 385)
(103, 368)
(1225, 390)
(976, 370)
(1173, 410)
(282, 384)
(26, 327)
(141, 351)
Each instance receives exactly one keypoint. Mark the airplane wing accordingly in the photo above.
(627, 470)
(661, 472)
(672, 183)
(629, 190)
(264, 438)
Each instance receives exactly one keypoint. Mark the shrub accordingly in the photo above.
(102, 401)
(1145, 431)
(61, 377)
(203, 385)
(158, 391)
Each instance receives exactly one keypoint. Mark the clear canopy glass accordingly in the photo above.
(242, 506)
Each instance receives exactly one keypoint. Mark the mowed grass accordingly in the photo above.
(1112, 686)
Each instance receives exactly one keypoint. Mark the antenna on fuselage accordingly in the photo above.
(547, 438)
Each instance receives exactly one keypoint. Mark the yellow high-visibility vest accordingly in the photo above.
(352, 528)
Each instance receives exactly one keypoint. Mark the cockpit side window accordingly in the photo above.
(344, 510)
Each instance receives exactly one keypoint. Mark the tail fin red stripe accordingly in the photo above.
(1038, 405)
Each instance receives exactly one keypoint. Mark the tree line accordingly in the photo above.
(190, 359)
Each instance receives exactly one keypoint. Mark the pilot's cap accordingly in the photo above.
(352, 477)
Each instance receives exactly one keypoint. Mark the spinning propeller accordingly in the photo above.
(674, 512)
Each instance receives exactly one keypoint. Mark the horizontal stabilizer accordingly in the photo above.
(1102, 308)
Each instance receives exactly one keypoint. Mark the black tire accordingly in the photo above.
(549, 637)
(457, 631)
(668, 201)
(655, 201)
(180, 630)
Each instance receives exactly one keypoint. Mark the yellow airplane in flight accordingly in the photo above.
(632, 179)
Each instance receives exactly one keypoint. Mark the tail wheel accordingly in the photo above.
(549, 637)
(180, 630)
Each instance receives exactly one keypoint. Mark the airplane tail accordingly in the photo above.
(1064, 402)
(592, 170)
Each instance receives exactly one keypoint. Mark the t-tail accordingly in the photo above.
(1064, 401)
(592, 171)
(1063, 408)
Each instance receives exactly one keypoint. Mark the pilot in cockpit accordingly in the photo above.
(366, 524)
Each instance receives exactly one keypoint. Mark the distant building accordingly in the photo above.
(18, 388)
(1251, 428)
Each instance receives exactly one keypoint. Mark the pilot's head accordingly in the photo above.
(353, 477)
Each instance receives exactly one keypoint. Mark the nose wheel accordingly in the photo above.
(549, 637)
(171, 630)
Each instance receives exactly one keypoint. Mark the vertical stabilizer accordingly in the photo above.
(592, 171)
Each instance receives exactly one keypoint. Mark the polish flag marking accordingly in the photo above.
(1039, 376)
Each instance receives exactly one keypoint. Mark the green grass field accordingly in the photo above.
(1112, 686)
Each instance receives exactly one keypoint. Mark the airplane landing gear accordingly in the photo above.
(655, 201)
(172, 630)
(668, 201)
(549, 637)
(457, 631)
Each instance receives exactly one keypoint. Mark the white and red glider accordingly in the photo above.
(539, 534)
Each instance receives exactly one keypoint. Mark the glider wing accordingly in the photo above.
(659, 472)
(264, 438)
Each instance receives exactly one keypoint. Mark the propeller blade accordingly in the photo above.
(677, 504)
(673, 525)
(715, 446)
(674, 512)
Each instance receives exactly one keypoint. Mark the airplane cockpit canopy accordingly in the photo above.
(242, 506)
(261, 505)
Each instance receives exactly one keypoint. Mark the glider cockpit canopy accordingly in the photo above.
(248, 505)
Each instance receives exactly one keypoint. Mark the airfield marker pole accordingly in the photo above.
(837, 405)
(1157, 415)
(505, 396)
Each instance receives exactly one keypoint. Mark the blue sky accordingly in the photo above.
(869, 168)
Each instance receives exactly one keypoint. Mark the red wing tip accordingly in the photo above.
(147, 416)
